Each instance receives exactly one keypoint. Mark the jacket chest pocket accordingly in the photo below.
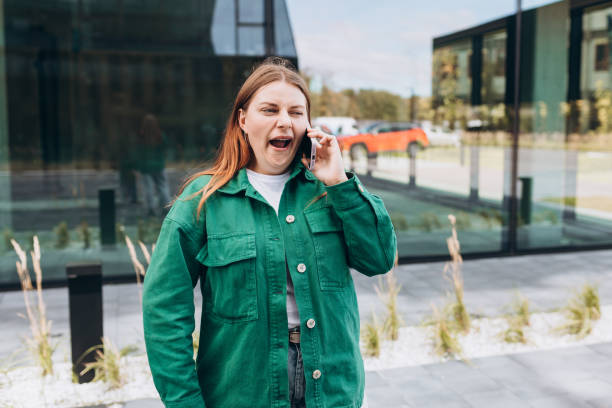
(230, 259)
(330, 248)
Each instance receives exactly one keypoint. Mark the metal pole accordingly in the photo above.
(515, 133)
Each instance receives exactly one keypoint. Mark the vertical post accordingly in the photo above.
(5, 168)
(412, 174)
(474, 172)
(526, 192)
(512, 238)
(85, 305)
(106, 209)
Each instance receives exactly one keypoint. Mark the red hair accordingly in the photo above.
(235, 152)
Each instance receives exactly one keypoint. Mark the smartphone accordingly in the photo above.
(309, 149)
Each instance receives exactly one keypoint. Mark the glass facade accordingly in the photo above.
(563, 150)
(129, 97)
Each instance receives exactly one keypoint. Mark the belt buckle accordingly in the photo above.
(294, 337)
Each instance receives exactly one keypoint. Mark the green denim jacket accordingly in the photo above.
(238, 250)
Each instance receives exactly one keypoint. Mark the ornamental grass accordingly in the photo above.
(444, 340)
(39, 344)
(371, 334)
(139, 269)
(581, 312)
(107, 366)
(388, 295)
(518, 319)
(452, 272)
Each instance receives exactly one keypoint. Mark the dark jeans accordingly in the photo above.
(297, 382)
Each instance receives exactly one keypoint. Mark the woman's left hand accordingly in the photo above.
(328, 167)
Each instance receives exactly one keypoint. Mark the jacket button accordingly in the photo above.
(290, 218)
(316, 374)
(301, 268)
(310, 323)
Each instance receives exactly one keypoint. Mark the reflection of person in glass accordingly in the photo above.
(271, 243)
(152, 145)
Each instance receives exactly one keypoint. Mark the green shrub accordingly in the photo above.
(464, 221)
(7, 233)
(85, 234)
(62, 235)
(120, 233)
(429, 221)
(399, 221)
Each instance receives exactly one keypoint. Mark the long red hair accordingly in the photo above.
(235, 152)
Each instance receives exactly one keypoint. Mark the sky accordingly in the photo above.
(382, 44)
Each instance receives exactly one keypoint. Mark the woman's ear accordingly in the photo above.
(242, 120)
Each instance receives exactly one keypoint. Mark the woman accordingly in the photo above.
(152, 163)
(271, 243)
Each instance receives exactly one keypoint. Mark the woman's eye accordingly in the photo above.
(296, 113)
(269, 110)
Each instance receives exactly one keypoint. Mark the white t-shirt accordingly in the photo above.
(271, 188)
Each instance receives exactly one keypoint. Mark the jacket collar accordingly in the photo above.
(240, 181)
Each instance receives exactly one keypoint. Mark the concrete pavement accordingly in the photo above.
(570, 377)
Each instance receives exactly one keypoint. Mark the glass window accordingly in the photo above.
(223, 30)
(602, 57)
(251, 41)
(90, 101)
(452, 72)
(251, 11)
(493, 88)
(282, 30)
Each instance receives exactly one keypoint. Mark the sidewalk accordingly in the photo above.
(571, 377)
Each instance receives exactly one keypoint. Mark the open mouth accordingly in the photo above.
(280, 143)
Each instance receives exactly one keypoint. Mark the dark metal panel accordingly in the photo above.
(575, 50)
(476, 70)
(495, 25)
(575, 4)
(269, 28)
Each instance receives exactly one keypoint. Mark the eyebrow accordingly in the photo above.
(276, 105)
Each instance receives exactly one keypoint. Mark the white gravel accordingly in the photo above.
(415, 344)
(24, 387)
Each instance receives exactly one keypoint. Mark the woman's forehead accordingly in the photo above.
(280, 93)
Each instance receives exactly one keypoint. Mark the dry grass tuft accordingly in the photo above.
(107, 364)
(372, 337)
(392, 321)
(40, 342)
(582, 310)
(445, 343)
(139, 269)
(518, 319)
(452, 272)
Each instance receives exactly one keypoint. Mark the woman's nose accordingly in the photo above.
(283, 119)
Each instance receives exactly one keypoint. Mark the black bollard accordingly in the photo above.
(85, 304)
(106, 208)
(526, 193)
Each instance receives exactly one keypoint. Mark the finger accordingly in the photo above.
(317, 133)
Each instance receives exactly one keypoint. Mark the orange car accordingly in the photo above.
(383, 137)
